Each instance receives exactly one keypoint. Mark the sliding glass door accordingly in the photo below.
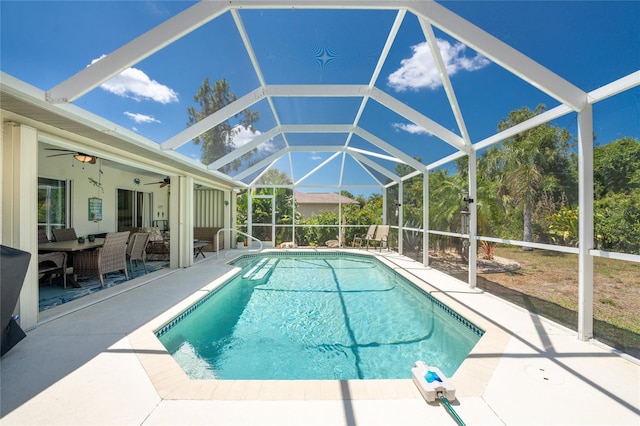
(134, 209)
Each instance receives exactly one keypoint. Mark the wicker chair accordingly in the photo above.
(53, 263)
(136, 249)
(111, 257)
(42, 236)
(67, 234)
(158, 248)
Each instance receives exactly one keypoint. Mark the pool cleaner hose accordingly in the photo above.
(450, 409)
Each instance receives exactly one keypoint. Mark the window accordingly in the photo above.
(53, 204)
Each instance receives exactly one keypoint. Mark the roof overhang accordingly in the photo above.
(27, 105)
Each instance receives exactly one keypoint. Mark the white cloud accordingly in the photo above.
(316, 158)
(141, 118)
(420, 71)
(135, 84)
(244, 135)
(411, 128)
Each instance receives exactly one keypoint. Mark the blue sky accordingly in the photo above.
(589, 43)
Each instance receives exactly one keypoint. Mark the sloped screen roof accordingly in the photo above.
(339, 92)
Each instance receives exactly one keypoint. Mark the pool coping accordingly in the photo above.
(172, 383)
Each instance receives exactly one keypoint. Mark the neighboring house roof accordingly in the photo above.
(322, 198)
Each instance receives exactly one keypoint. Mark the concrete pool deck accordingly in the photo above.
(100, 364)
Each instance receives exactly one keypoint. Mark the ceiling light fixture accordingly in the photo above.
(83, 158)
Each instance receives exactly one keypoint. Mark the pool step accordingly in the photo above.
(255, 268)
(262, 270)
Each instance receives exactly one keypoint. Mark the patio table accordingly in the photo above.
(197, 248)
(70, 247)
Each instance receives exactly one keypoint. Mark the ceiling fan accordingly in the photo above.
(80, 156)
(164, 182)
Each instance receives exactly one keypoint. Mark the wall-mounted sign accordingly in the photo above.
(95, 209)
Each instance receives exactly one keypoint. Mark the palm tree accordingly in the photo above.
(528, 163)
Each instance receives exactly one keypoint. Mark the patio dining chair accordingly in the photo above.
(136, 250)
(360, 238)
(52, 263)
(66, 234)
(42, 236)
(111, 257)
(382, 236)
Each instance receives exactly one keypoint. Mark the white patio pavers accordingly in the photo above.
(81, 369)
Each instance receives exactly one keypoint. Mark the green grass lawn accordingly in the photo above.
(547, 283)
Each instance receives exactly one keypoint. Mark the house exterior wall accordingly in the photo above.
(308, 209)
(23, 160)
(65, 167)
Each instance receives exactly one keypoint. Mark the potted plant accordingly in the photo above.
(240, 241)
(81, 239)
(91, 238)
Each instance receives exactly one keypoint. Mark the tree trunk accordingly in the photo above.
(528, 228)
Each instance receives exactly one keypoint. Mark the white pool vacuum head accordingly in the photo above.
(430, 381)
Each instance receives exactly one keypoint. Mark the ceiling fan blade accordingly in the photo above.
(163, 184)
(58, 155)
(93, 160)
(60, 149)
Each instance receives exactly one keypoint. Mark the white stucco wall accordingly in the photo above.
(66, 167)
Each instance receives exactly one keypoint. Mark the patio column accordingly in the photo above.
(585, 224)
(20, 209)
(400, 217)
(250, 215)
(230, 209)
(473, 219)
(181, 221)
(340, 227)
(425, 218)
(293, 215)
(384, 206)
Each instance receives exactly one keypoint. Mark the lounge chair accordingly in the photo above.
(111, 257)
(360, 238)
(382, 235)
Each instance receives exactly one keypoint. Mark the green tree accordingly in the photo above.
(218, 141)
(445, 204)
(563, 226)
(616, 167)
(318, 235)
(284, 202)
(529, 164)
(274, 177)
(617, 222)
(411, 194)
(262, 207)
(616, 186)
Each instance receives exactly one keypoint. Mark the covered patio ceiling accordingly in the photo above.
(348, 112)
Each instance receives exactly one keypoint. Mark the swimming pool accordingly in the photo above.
(334, 316)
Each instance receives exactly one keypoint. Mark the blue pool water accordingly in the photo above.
(334, 316)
